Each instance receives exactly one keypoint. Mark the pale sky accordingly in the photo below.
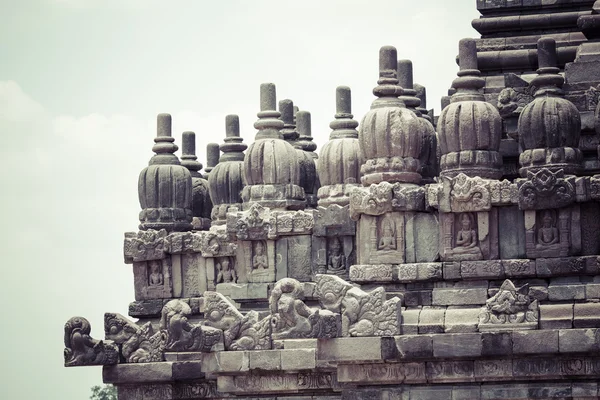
(81, 82)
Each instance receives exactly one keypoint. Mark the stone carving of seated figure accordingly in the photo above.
(387, 239)
(156, 277)
(336, 262)
(226, 273)
(547, 235)
(259, 260)
(466, 237)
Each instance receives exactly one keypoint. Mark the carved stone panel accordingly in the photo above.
(144, 245)
(547, 233)
(81, 349)
(256, 261)
(335, 255)
(225, 270)
(381, 239)
(153, 279)
(194, 275)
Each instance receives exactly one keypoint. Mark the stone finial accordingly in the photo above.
(212, 157)
(188, 153)
(469, 128)
(271, 167)
(201, 204)
(339, 168)
(288, 116)
(549, 126)
(304, 127)
(421, 93)
(390, 134)
(226, 180)
(405, 79)
(169, 207)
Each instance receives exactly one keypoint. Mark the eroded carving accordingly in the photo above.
(226, 270)
(138, 344)
(545, 189)
(81, 349)
(466, 242)
(240, 332)
(363, 313)
(144, 245)
(386, 234)
(511, 101)
(183, 335)
(336, 260)
(291, 318)
(510, 308)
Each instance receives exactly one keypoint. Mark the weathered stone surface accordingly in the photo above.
(459, 297)
(578, 340)
(450, 371)
(509, 308)
(431, 320)
(496, 344)
(185, 336)
(350, 349)
(414, 346)
(410, 321)
(136, 343)
(138, 373)
(556, 316)
(535, 342)
(298, 359)
(268, 360)
(382, 373)
(81, 349)
(457, 345)
(493, 370)
(566, 292)
(586, 315)
(461, 319)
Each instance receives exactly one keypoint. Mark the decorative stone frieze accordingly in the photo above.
(144, 245)
(510, 308)
(182, 335)
(384, 197)
(546, 189)
(137, 343)
(81, 349)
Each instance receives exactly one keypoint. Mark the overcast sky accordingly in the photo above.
(81, 82)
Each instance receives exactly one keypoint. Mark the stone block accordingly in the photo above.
(578, 340)
(548, 267)
(410, 321)
(459, 297)
(539, 293)
(466, 392)
(586, 315)
(535, 342)
(184, 370)
(138, 372)
(431, 320)
(233, 361)
(298, 359)
(349, 349)
(592, 291)
(518, 268)
(269, 360)
(511, 236)
(426, 231)
(413, 298)
(461, 319)
(526, 391)
(451, 270)
(431, 393)
(414, 346)
(493, 370)
(536, 368)
(291, 344)
(566, 292)
(146, 308)
(299, 257)
(584, 390)
(488, 269)
(382, 373)
(496, 344)
(450, 371)
(457, 345)
(556, 316)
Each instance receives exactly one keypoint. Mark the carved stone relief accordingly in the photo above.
(469, 236)
(510, 308)
(255, 261)
(226, 272)
(138, 344)
(381, 239)
(545, 189)
(291, 318)
(144, 245)
(183, 335)
(153, 279)
(363, 313)
(548, 232)
(81, 349)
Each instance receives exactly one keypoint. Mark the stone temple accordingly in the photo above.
(416, 257)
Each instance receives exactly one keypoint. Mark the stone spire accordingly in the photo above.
(305, 147)
(288, 116)
(201, 204)
(469, 128)
(226, 180)
(421, 93)
(390, 134)
(271, 165)
(165, 186)
(212, 158)
(549, 126)
(428, 157)
(339, 166)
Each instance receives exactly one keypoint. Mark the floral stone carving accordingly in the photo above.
(144, 245)
(510, 308)
(291, 318)
(81, 349)
(384, 197)
(259, 223)
(240, 332)
(545, 189)
(138, 344)
(363, 314)
(183, 335)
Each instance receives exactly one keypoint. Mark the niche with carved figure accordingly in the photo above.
(380, 239)
(547, 232)
(226, 272)
(469, 236)
(153, 279)
(255, 261)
